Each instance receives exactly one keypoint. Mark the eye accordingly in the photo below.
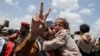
(55, 25)
(60, 25)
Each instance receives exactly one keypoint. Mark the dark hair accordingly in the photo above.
(84, 28)
(65, 23)
(77, 32)
(12, 31)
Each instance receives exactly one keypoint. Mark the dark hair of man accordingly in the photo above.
(84, 28)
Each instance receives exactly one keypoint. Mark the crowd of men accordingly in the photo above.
(47, 38)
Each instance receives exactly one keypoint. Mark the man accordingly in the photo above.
(28, 47)
(4, 51)
(97, 47)
(24, 31)
(85, 42)
(2, 46)
(6, 24)
(47, 35)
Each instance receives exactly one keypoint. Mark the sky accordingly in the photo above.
(76, 12)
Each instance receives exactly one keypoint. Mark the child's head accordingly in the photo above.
(61, 23)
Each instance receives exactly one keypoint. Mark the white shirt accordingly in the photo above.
(2, 41)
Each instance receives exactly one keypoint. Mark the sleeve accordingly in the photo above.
(76, 40)
(9, 48)
(57, 42)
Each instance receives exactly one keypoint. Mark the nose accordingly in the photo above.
(56, 27)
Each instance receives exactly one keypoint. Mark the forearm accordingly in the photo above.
(33, 37)
(57, 42)
(53, 44)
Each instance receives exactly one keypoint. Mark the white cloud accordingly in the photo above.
(62, 4)
(55, 10)
(31, 8)
(15, 22)
(97, 25)
(9, 2)
(73, 18)
(86, 11)
(95, 29)
(13, 3)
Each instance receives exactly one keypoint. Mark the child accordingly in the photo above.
(62, 41)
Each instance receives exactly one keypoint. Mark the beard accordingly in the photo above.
(22, 32)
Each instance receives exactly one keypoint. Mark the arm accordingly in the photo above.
(57, 42)
(37, 27)
(87, 37)
(1, 27)
(38, 23)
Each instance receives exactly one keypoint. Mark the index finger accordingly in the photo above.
(41, 9)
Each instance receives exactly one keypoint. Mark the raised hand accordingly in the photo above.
(38, 22)
(6, 23)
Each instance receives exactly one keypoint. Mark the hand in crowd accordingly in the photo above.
(6, 23)
(86, 37)
(38, 21)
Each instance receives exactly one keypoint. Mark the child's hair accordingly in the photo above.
(65, 22)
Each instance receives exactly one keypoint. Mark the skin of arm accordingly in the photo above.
(57, 42)
(26, 48)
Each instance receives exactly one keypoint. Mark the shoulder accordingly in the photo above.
(62, 32)
(65, 31)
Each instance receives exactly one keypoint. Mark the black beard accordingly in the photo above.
(22, 33)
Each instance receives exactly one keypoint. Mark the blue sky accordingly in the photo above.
(75, 11)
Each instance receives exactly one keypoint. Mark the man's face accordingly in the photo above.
(22, 29)
(49, 34)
